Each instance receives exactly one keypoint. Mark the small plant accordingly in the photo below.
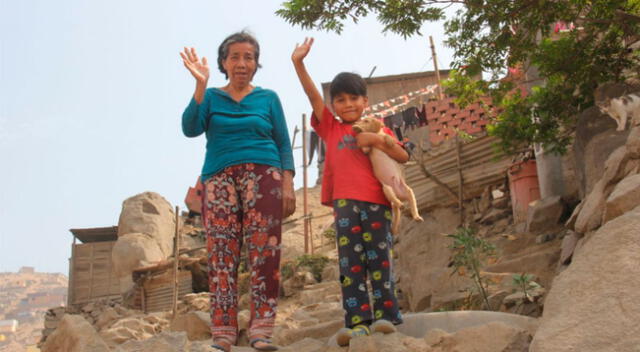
(330, 233)
(314, 262)
(524, 282)
(470, 254)
(287, 268)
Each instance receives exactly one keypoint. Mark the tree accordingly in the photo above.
(491, 36)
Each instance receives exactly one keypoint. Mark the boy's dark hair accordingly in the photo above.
(347, 82)
(239, 37)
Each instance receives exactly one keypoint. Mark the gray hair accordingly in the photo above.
(239, 37)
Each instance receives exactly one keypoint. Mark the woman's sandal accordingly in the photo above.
(267, 344)
(222, 347)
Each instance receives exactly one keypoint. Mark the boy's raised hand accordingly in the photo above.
(301, 50)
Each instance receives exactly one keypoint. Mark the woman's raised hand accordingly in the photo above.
(198, 68)
(301, 50)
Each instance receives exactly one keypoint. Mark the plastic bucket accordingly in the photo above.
(524, 188)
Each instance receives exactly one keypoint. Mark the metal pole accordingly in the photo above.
(176, 250)
(435, 65)
(307, 240)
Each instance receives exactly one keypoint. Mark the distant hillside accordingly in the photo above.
(25, 296)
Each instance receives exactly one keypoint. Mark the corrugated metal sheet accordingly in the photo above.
(96, 234)
(481, 167)
(157, 292)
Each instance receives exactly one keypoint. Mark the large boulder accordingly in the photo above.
(131, 251)
(590, 216)
(625, 196)
(197, 325)
(164, 342)
(544, 214)
(596, 138)
(422, 268)
(149, 213)
(491, 337)
(74, 334)
(134, 250)
(592, 305)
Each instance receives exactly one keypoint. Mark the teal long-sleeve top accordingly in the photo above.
(253, 130)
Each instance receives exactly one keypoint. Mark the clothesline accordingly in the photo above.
(385, 108)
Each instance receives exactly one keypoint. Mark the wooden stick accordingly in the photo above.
(435, 65)
(307, 241)
(176, 250)
(460, 181)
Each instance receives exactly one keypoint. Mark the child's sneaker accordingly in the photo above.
(383, 326)
(345, 335)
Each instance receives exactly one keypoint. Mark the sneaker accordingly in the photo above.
(345, 335)
(383, 326)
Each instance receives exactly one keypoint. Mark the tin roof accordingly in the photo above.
(96, 234)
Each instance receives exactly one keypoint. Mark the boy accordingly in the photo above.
(362, 212)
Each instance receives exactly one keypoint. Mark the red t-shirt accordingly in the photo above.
(348, 173)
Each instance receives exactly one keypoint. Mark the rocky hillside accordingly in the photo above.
(551, 284)
(25, 297)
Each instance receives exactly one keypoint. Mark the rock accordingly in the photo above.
(615, 166)
(544, 214)
(625, 196)
(108, 316)
(149, 213)
(197, 325)
(500, 203)
(130, 328)
(319, 292)
(570, 224)
(306, 345)
(164, 342)
(491, 337)
(74, 334)
(596, 138)
(485, 200)
(297, 282)
(132, 251)
(319, 331)
(496, 299)
(519, 297)
(394, 342)
(597, 295)
(330, 273)
(545, 238)
(425, 255)
(197, 301)
(568, 245)
(590, 216)
(495, 215)
(633, 143)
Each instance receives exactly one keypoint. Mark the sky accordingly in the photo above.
(92, 92)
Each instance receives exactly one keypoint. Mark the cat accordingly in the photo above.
(616, 101)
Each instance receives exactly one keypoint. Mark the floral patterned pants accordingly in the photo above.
(243, 203)
(363, 232)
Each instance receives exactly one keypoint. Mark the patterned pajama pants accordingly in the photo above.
(364, 248)
(243, 203)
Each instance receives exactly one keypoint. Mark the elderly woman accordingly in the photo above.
(248, 180)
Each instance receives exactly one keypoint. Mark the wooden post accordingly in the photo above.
(308, 242)
(435, 65)
(460, 181)
(176, 251)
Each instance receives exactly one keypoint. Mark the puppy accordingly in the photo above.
(612, 99)
(388, 172)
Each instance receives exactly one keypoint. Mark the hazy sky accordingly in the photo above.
(91, 94)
